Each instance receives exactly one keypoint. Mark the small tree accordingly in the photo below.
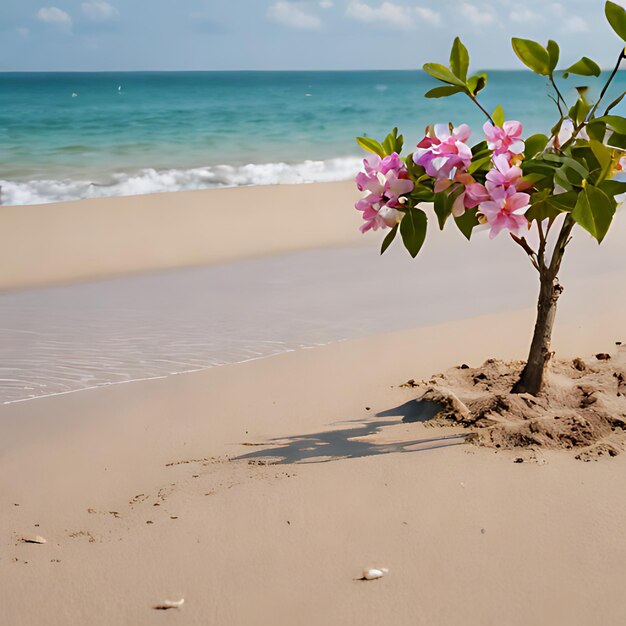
(545, 183)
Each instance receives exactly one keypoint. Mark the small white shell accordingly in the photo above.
(32, 539)
(374, 573)
(170, 604)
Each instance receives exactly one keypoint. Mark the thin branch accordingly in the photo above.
(558, 94)
(541, 253)
(532, 255)
(556, 102)
(579, 127)
(472, 97)
(621, 57)
(561, 242)
(615, 103)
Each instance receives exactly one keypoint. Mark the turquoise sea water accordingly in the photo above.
(72, 135)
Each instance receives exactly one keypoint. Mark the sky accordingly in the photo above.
(95, 35)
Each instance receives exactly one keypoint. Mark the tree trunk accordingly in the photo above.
(532, 376)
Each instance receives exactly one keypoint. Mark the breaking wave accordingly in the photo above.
(154, 181)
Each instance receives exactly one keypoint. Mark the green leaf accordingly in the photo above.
(616, 16)
(477, 83)
(617, 140)
(444, 91)
(579, 111)
(442, 208)
(545, 205)
(391, 235)
(540, 208)
(389, 143)
(393, 143)
(480, 163)
(564, 202)
(596, 130)
(594, 211)
(481, 146)
(444, 201)
(442, 73)
(538, 166)
(459, 60)
(554, 54)
(616, 122)
(584, 67)
(533, 55)
(613, 187)
(561, 178)
(535, 144)
(533, 179)
(371, 145)
(498, 116)
(467, 222)
(579, 168)
(413, 230)
(604, 157)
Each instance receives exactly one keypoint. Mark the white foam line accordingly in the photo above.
(149, 180)
(136, 380)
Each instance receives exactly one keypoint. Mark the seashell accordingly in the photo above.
(32, 539)
(373, 573)
(169, 604)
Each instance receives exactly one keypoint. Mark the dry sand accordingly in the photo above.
(258, 492)
(70, 241)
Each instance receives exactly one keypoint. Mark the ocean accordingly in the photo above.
(66, 136)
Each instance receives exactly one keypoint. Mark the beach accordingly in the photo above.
(260, 489)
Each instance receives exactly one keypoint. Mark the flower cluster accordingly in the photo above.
(386, 183)
(446, 158)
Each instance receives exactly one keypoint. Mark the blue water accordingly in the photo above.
(124, 133)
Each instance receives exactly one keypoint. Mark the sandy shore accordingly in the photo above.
(259, 491)
(71, 241)
(140, 494)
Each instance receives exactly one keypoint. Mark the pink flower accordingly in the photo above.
(385, 182)
(474, 195)
(441, 151)
(377, 216)
(505, 210)
(506, 140)
(503, 175)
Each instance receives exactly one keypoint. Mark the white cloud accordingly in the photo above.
(22, 31)
(99, 10)
(54, 15)
(391, 14)
(476, 16)
(523, 15)
(292, 14)
(575, 24)
(557, 8)
(428, 15)
(326, 4)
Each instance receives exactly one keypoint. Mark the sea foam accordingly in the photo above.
(155, 181)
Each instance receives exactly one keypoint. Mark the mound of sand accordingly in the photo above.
(582, 408)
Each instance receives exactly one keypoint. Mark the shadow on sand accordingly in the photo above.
(347, 443)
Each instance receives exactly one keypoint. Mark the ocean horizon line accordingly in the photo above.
(263, 71)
